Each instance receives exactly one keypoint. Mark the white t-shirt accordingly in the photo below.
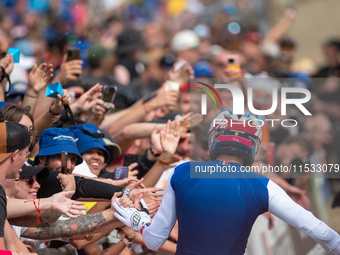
(83, 169)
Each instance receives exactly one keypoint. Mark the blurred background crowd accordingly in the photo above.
(134, 45)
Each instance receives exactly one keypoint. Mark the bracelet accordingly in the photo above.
(154, 153)
(128, 241)
(37, 209)
(164, 162)
(31, 96)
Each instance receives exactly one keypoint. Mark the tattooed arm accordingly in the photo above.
(47, 218)
(72, 227)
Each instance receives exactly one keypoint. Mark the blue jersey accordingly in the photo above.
(215, 216)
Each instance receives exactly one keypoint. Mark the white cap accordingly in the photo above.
(185, 40)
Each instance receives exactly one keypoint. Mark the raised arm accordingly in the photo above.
(169, 138)
(136, 112)
(37, 80)
(125, 137)
(58, 202)
(68, 71)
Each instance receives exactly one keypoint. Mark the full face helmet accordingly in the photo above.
(237, 135)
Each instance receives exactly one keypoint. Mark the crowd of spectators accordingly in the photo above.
(154, 53)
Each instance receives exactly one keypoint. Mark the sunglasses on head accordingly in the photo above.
(30, 181)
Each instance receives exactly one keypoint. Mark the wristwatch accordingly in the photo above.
(125, 192)
(128, 241)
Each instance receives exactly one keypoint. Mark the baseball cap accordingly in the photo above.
(185, 40)
(17, 88)
(13, 136)
(86, 142)
(54, 141)
(28, 170)
(203, 69)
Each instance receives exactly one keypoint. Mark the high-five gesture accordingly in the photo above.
(61, 203)
(169, 137)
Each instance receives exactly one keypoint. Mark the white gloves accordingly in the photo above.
(132, 217)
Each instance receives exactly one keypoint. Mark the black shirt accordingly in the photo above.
(3, 210)
(85, 188)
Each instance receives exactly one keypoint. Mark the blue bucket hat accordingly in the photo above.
(109, 144)
(54, 141)
(86, 142)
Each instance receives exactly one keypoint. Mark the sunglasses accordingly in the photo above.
(30, 181)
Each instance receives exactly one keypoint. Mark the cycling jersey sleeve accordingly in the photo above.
(156, 234)
(282, 206)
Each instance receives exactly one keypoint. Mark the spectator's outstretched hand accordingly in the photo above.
(150, 195)
(69, 70)
(39, 77)
(87, 100)
(124, 201)
(129, 233)
(170, 136)
(61, 203)
(165, 98)
(190, 120)
(125, 182)
(290, 13)
(298, 195)
(133, 173)
(67, 182)
(3, 46)
(183, 75)
(58, 106)
(138, 184)
(98, 111)
(156, 140)
(7, 63)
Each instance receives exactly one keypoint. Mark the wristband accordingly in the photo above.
(154, 153)
(164, 162)
(31, 96)
(54, 115)
(128, 242)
